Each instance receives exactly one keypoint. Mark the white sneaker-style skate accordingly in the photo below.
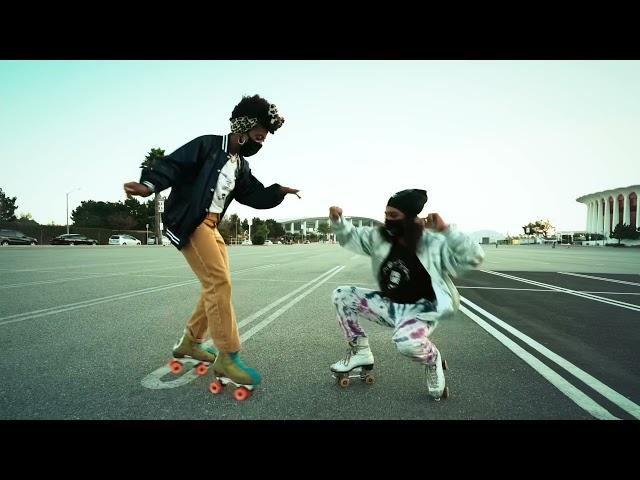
(436, 384)
(360, 357)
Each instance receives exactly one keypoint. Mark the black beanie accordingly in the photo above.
(410, 202)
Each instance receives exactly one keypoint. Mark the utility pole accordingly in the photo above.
(159, 204)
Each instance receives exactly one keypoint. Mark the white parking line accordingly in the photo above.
(604, 390)
(272, 305)
(546, 290)
(252, 331)
(556, 380)
(19, 317)
(154, 380)
(617, 303)
(90, 276)
(75, 267)
(600, 278)
(543, 290)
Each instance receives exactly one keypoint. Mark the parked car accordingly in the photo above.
(73, 239)
(123, 239)
(14, 237)
(152, 240)
(306, 242)
(268, 242)
(247, 242)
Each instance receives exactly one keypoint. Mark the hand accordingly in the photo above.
(287, 190)
(335, 213)
(136, 189)
(434, 221)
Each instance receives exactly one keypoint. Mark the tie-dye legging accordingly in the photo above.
(410, 334)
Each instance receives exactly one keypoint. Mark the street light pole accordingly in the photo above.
(70, 191)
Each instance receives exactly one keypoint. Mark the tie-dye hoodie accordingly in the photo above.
(443, 254)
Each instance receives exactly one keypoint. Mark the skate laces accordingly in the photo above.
(352, 350)
(179, 342)
(432, 373)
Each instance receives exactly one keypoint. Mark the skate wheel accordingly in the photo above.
(215, 387)
(344, 382)
(445, 365)
(175, 366)
(241, 394)
(202, 369)
(369, 380)
(445, 394)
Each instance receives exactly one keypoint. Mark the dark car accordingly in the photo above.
(73, 239)
(14, 237)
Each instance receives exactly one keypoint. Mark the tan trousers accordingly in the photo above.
(207, 255)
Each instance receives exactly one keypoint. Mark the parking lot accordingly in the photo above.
(86, 333)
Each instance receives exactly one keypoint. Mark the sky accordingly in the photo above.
(496, 144)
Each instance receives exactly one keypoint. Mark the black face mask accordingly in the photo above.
(250, 147)
(396, 228)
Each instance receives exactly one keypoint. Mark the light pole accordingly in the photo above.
(70, 191)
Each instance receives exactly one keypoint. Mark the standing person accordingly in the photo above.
(205, 175)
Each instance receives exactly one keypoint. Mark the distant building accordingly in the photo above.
(607, 209)
(305, 226)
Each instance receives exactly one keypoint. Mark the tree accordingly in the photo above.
(226, 229)
(324, 229)
(259, 234)
(245, 225)
(155, 155)
(152, 157)
(539, 227)
(545, 227)
(256, 222)
(91, 214)
(139, 212)
(275, 229)
(27, 218)
(625, 231)
(235, 227)
(7, 208)
(121, 221)
(149, 214)
(118, 215)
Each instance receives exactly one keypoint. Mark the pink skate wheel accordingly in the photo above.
(175, 366)
(202, 369)
(241, 394)
(215, 387)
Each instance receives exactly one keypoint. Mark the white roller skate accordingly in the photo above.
(359, 358)
(436, 384)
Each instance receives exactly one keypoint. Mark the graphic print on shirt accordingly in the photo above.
(396, 272)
